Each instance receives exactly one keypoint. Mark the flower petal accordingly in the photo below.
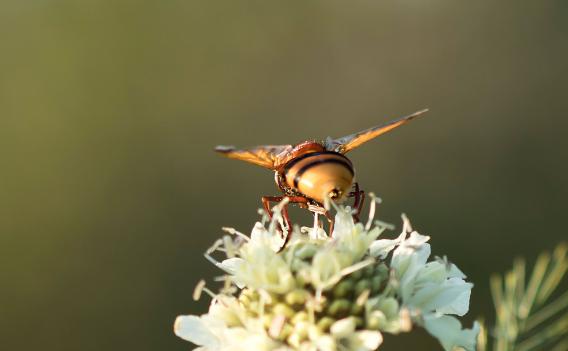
(344, 223)
(343, 327)
(459, 307)
(369, 340)
(450, 296)
(381, 248)
(449, 332)
(193, 328)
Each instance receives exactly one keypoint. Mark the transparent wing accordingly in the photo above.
(267, 156)
(350, 142)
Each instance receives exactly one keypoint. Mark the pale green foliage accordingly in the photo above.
(526, 319)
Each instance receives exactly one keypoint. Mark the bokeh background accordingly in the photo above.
(109, 110)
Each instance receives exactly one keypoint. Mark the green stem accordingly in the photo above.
(558, 328)
(561, 346)
(534, 285)
(548, 311)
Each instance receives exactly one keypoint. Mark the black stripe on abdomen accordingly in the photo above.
(303, 170)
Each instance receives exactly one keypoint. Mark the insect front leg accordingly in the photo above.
(285, 233)
(266, 200)
(359, 196)
(301, 201)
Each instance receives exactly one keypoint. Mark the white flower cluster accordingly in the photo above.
(338, 293)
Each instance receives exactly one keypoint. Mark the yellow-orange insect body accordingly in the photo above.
(310, 172)
(320, 175)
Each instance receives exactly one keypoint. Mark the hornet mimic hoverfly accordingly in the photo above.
(310, 172)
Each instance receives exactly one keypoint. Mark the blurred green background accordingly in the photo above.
(109, 111)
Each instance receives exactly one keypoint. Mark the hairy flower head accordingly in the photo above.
(338, 292)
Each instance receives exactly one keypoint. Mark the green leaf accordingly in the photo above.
(525, 319)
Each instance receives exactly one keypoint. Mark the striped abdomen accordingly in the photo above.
(318, 175)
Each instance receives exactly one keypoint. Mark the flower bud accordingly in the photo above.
(356, 275)
(361, 286)
(301, 316)
(296, 297)
(339, 308)
(376, 283)
(343, 288)
(283, 310)
(369, 271)
(376, 320)
(325, 323)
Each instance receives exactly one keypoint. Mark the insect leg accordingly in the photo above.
(286, 218)
(285, 232)
(358, 202)
(266, 200)
(300, 200)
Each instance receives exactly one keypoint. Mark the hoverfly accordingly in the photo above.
(312, 171)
